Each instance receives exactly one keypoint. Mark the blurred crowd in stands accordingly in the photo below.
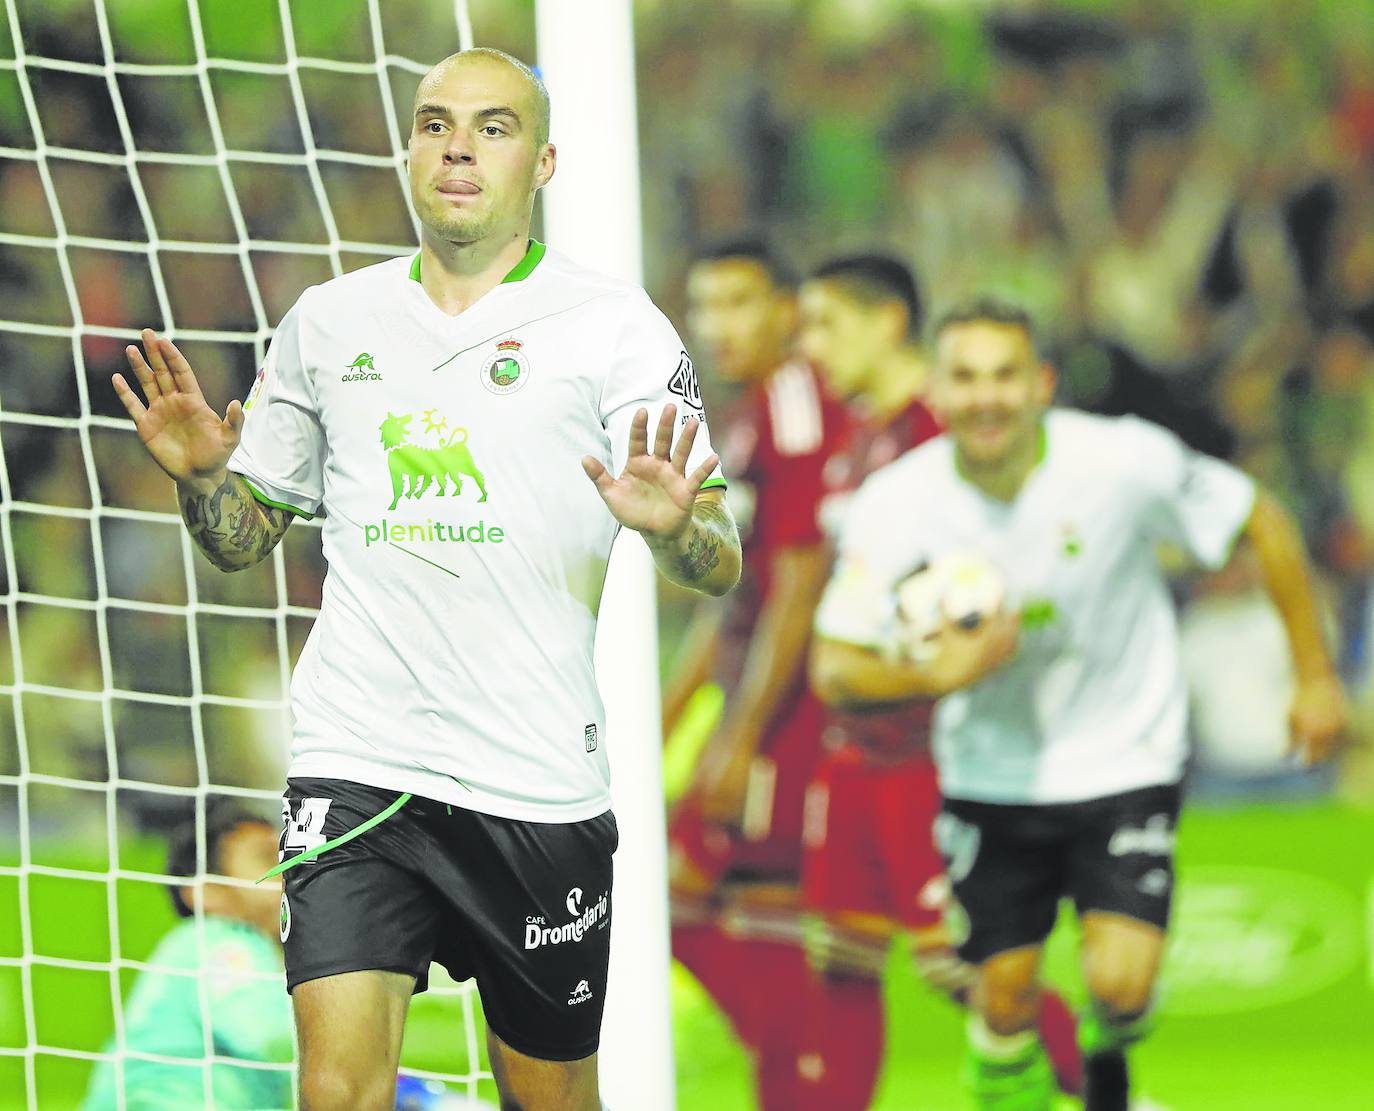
(1183, 195)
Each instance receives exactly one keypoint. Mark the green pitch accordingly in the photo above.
(1270, 1001)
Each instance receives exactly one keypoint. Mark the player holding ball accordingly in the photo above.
(1060, 734)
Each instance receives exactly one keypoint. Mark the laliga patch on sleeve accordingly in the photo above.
(257, 388)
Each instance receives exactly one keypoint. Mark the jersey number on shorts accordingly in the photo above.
(305, 830)
(958, 842)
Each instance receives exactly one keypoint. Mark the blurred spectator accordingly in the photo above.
(214, 985)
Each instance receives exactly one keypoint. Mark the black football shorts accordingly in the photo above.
(1011, 864)
(522, 907)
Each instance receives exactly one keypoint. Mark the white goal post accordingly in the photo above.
(591, 211)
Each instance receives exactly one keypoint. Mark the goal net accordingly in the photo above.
(188, 165)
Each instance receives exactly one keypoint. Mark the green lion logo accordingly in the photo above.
(414, 469)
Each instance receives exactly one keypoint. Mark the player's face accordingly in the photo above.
(739, 318)
(474, 160)
(990, 390)
(844, 339)
(248, 853)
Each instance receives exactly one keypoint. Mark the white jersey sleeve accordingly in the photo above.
(859, 602)
(282, 452)
(1191, 499)
(651, 369)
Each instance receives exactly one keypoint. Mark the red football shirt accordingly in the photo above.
(895, 732)
(775, 445)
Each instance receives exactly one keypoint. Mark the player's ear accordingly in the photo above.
(548, 162)
(1048, 380)
(894, 322)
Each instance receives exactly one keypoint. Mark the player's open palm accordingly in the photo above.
(182, 433)
(654, 494)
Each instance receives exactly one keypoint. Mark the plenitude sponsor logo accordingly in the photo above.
(436, 532)
(595, 914)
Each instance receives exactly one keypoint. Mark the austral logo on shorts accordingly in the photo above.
(597, 914)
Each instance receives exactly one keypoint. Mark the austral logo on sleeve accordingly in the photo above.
(507, 370)
(361, 370)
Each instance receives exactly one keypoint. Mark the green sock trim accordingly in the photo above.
(1099, 1034)
(1024, 1082)
(343, 839)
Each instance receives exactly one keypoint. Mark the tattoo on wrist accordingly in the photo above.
(711, 524)
(701, 557)
(232, 527)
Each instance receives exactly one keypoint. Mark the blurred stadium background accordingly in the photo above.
(1182, 192)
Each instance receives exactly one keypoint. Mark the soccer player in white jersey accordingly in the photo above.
(473, 422)
(1060, 731)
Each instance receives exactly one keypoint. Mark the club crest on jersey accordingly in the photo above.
(507, 370)
(1070, 539)
(683, 381)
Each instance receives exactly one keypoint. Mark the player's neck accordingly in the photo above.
(455, 276)
(1004, 479)
(769, 365)
(899, 382)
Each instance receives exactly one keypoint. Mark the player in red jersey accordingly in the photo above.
(735, 836)
(871, 867)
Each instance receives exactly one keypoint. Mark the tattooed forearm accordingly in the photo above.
(701, 557)
(706, 557)
(229, 525)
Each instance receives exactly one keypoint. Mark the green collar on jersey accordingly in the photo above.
(522, 269)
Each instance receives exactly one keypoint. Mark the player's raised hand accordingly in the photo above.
(1317, 718)
(654, 495)
(185, 437)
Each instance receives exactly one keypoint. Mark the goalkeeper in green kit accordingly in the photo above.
(214, 988)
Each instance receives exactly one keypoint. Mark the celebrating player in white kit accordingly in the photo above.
(1060, 734)
(448, 792)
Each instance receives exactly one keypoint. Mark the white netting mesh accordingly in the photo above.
(188, 166)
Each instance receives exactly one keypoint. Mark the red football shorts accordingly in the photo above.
(869, 844)
(769, 843)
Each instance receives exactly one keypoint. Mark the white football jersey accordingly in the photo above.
(467, 548)
(1093, 703)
